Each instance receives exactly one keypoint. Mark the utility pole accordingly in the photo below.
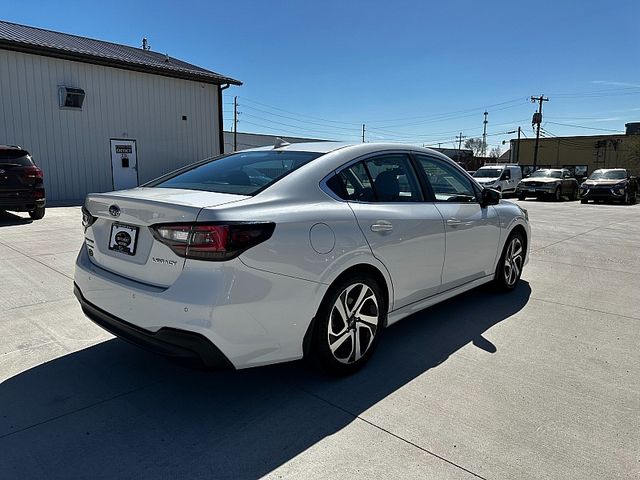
(363, 133)
(484, 134)
(537, 120)
(518, 149)
(235, 123)
(459, 138)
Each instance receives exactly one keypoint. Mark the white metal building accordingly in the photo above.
(99, 116)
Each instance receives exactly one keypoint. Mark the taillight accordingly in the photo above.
(32, 173)
(214, 242)
(87, 218)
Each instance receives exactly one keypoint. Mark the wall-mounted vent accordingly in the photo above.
(71, 97)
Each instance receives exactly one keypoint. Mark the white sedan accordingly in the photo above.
(304, 250)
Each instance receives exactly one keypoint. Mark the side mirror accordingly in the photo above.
(490, 197)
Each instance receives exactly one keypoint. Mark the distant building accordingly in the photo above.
(463, 157)
(582, 154)
(99, 116)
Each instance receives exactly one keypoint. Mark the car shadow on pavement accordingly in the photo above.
(8, 219)
(113, 411)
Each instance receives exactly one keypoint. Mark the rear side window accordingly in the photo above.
(386, 178)
(240, 173)
(15, 157)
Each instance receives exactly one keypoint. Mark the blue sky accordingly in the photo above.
(413, 71)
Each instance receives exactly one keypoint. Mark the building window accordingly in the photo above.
(71, 98)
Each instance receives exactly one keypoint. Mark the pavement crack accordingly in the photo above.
(584, 308)
(577, 235)
(36, 260)
(388, 432)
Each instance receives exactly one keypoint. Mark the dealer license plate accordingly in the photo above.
(123, 238)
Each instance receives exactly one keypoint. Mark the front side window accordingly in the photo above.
(447, 183)
(242, 173)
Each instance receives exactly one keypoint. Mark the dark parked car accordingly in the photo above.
(549, 182)
(610, 184)
(21, 182)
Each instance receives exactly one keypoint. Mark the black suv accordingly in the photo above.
(610, 184)
(21, 182)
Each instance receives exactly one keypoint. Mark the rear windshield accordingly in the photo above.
(15, 157)
(240, 173)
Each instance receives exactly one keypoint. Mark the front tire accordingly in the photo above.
(37, 214)
(509, 267)
(348, 324)
(584, 200)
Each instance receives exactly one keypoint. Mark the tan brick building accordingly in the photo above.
(581, 154)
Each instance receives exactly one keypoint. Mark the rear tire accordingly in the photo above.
(509, 267)
(37, 214)
(522, 197)
(348, 324)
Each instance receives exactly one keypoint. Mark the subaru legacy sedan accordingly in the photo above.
(304, 250)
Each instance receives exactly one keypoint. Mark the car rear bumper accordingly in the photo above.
(249, 316)
(166, 341)
(20, 202)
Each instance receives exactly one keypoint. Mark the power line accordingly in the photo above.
(336, 127)
(582, 126)
(297, 127)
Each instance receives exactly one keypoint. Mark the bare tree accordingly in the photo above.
(475, 145)
(495, 152)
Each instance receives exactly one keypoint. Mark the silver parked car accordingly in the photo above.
(272, 254)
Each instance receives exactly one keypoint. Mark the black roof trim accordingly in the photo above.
(38, 41)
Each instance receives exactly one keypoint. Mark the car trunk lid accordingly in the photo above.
(120, 240)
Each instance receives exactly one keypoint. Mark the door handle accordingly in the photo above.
(382, 226)
(454, 222)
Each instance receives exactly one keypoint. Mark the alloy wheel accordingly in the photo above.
(513, 260)
(353, 323)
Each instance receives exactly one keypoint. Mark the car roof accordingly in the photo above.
(317, 147)
(329, 146)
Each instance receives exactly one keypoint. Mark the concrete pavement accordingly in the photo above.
(541, 383)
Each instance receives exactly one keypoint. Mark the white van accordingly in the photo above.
(504, 178)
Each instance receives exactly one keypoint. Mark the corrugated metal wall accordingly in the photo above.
(73, 146)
